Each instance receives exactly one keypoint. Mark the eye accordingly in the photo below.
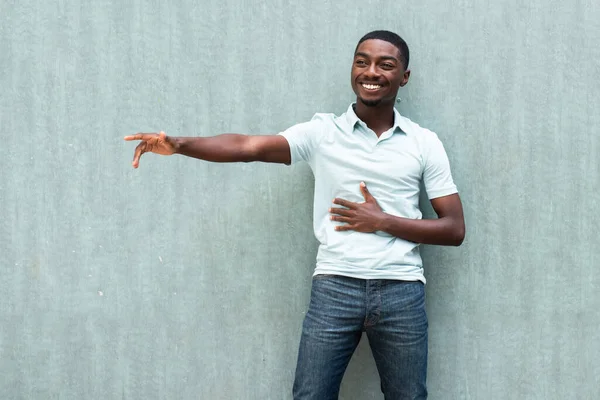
(360, 62)
(387, 66)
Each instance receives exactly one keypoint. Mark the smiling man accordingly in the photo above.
(368, 165)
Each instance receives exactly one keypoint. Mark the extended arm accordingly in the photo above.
(221, 148)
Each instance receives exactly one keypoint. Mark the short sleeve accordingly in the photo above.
(304, 138)
(437, 176)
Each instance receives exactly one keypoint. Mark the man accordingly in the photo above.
(368, 164)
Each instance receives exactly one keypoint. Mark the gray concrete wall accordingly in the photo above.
(189, 280)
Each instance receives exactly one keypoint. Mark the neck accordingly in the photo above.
(379, 118)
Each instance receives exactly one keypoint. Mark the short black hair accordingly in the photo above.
(392, 38)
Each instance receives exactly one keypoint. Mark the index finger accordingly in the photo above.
(141, 136)
(345, 203)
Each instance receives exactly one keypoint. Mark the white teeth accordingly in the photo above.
(371, 87)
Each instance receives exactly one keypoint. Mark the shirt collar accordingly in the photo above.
(399, 121)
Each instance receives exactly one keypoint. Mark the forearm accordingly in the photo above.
(221, 148)
(442, 231)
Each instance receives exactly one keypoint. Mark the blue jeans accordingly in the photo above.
(392, 313)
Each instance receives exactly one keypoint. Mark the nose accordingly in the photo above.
(371, 72)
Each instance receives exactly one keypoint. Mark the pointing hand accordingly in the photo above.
(158, 143)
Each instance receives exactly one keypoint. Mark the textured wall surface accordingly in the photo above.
(189, 280)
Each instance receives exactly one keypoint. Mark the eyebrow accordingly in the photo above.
(361, 54)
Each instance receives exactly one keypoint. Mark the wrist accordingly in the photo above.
(177, 143)
(382, 222)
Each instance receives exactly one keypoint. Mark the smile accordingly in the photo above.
(370, 86)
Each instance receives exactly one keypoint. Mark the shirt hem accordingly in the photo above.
(441, 193)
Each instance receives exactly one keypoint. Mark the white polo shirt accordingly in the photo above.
(342, 152)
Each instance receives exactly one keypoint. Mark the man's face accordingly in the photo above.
(377, 72)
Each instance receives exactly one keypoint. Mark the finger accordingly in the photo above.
(340, 211)
(140, 136)
(139, 150)
(365, 192)
(345, 203)
(338, 218)
(344, 228)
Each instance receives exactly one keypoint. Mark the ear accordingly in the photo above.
(405, 78)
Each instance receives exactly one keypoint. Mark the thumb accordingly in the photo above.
(365, 192)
